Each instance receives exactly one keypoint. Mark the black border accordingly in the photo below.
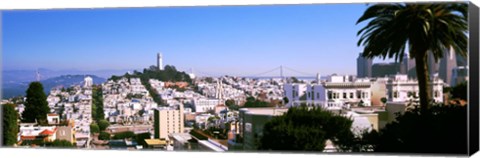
(473, 120)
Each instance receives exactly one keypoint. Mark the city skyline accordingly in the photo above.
(223, 40)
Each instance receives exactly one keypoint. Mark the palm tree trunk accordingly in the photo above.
(423, 79)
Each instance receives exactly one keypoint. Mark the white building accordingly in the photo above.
(293, 92)
(204, 104)
(338, 92)
(401, 89)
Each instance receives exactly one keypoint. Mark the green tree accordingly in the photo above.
(305, 129)
(97, 101)
(285, 100)
(104, 136)
(441, 129)
(103, 124)
(9, 127)
(383, 100)
(94, 128)
(36, 105)
(424, 29)
(123, 135)
(230, 103)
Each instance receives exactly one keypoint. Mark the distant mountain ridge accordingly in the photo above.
(17, 76)
(10, 89)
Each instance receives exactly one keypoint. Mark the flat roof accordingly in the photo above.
(272, 111)
(181, 137)
(155, 142)
(211, 145)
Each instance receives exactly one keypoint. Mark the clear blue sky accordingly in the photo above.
(230, 40)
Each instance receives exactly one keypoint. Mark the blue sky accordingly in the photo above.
(229, 40)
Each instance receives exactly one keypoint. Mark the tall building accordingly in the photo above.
(447, 65)
(168, 120)
(364, 66)
(407, 64)
(160, 61)
(385, 69)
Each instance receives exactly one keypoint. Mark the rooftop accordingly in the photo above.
(155, 142)
(272, 111)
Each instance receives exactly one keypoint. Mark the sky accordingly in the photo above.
(216, 40)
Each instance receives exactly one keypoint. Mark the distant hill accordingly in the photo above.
(11, 89)
(17, 76)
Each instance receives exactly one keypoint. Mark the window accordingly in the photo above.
(436, 94)
(318, 95)
(395, 94)
(351, 94)
(329, 94)
(344, 95)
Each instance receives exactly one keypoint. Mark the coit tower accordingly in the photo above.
(159, 61)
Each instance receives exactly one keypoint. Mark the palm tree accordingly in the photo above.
(424, 29)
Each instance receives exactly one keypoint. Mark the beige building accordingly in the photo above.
(168, 120)
(66, 133)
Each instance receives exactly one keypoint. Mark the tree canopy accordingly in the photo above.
(94, 128)
(305, 129)
(9, 126)
(104, 136)
(36, 105)
(252, 102)
(103, 124)
(441, 129)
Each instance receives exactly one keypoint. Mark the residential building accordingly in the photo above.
(204, 104)
(402, 89)
(168, 120)
(66, 133)
(53, 119)
(294, 91)
(34, 133)
(336, 92)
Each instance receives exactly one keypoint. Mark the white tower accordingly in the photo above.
(160, 61)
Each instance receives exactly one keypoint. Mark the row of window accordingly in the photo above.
(350, 95)
(414, 93)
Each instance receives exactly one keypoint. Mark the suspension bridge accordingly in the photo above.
(276, 72)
